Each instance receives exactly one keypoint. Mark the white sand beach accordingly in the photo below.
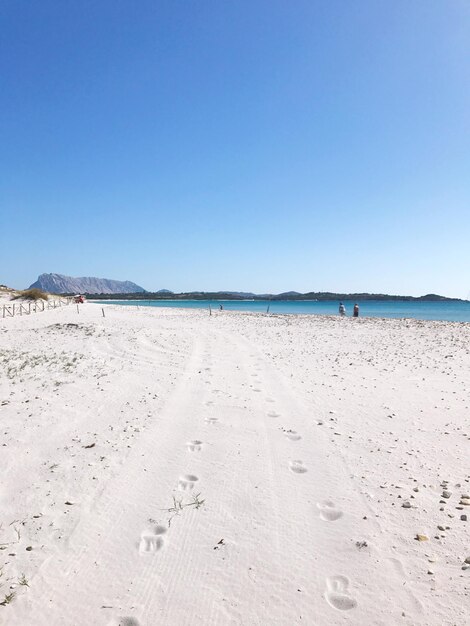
(167, 467)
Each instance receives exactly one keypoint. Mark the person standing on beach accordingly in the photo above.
(342, 309)
(356, 310)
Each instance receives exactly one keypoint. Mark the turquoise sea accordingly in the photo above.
(446, 311)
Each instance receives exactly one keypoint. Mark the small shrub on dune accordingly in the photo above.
(30, 294)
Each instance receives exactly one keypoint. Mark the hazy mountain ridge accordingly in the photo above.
(58, 283)
(234, 295)
(108, 288)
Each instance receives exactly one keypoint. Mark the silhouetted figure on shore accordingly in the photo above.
(356, 310)
(342, 309)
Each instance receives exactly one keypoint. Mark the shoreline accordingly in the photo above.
(415, 301)
(272, 313)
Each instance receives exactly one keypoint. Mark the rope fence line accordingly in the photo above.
(34, 306)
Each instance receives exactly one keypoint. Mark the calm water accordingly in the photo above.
(447, 311)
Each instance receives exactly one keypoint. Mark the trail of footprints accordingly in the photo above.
(337, 587)
(153, 539)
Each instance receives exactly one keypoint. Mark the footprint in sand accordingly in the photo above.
(297, 467)
(273, 414)
(257, 390)
(152, 540)
(194, 446)
(187, 482)
(337, 594)
(211, 420)
(270, 400)
(328, 511)
(124, 621)
(292, 435)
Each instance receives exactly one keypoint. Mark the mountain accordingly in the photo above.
(57, 283)
(289, 294)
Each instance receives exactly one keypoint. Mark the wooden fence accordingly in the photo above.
(33, 306)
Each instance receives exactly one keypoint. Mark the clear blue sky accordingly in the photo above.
(257, 145)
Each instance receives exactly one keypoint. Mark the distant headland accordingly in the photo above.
(319, 296)
(60, 284)
(107, 289)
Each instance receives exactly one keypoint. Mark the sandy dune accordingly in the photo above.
(164, 467)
